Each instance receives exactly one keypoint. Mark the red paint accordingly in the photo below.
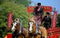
(9, 20)
(54, 36)
(54, 20)
(9, 35)
(45, 8)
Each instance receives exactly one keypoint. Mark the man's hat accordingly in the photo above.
(38, 4)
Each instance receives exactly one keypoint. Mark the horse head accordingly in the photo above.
(17, 26)
(32, 27)
(13, 27)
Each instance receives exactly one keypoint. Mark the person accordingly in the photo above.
(47, 20)
(38, 12)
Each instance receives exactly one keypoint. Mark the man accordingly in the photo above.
(47, 20)
(38, 12)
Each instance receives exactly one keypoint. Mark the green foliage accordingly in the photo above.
(1, 1)
(18, 10)
(24, 2)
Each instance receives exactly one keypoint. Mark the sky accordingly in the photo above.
(53, 3)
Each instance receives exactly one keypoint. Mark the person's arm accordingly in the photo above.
(43, 19)
(50, 21)
(42, 11)
(34, 10)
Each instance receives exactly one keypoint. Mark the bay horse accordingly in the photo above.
(24, 32)
(42, 32)
(19, 31)
(32, 30)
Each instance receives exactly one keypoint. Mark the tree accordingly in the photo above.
(19, 11)
(1, 1)
(24, 2)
